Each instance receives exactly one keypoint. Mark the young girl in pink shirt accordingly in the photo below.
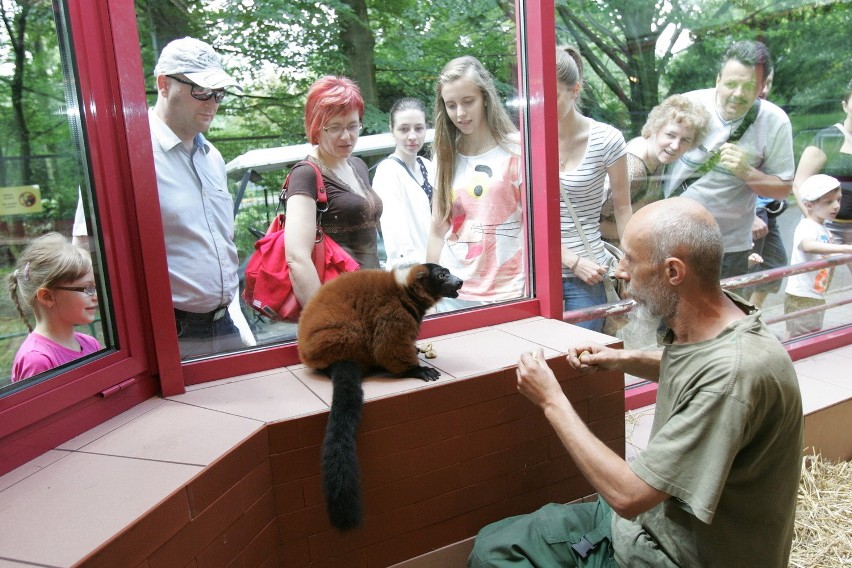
(53, 279)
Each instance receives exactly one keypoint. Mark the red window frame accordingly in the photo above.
(114, 111)
(538, 30)
(44, 415)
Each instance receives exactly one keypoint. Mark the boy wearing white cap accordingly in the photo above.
(820, 195)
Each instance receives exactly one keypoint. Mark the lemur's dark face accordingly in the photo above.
(441, 283)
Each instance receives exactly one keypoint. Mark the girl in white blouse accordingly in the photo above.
(404, 181)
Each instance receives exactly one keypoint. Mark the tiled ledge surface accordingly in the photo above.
(156, 471)
(826, 383)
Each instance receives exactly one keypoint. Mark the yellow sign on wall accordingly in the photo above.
(20, 200)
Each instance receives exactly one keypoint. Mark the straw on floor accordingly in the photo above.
(823, 534)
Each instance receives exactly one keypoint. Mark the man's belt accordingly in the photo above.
(214, 315)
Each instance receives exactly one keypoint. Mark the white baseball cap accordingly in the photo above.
(816, 186)
(197, 61)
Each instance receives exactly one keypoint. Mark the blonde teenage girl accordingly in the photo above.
(477, 219)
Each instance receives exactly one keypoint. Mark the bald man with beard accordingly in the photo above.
(717, 483)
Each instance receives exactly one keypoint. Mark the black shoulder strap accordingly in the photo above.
(713, 158)
(747, 121)
(427, 187)
(401, 163)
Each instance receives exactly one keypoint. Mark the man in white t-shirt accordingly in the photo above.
(732, 168)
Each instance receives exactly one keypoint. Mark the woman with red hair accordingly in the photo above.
(333, 113)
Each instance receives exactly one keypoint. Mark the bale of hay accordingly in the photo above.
(823, 533)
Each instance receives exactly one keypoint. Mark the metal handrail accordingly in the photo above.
(806, 311)
(732, 283)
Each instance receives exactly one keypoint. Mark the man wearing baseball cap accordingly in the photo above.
(820, 196)
(197, 209)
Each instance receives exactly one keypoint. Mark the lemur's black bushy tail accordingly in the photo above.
(341, 477)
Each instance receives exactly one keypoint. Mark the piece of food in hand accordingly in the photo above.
(582, 355)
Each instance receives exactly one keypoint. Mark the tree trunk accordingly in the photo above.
(17, 35)
(623, 44)
(644, 77)
(358, 46)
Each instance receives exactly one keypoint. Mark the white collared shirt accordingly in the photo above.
(198, 220)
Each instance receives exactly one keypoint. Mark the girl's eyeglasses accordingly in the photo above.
(201, 93)
(89, 290)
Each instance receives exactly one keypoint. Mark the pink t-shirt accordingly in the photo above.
(38, 354)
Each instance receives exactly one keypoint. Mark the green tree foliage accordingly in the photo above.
(285, 45)
(418, 38)
(629, 47)
(810, 46)
(619, 39)
(807, 79)
(279, 49)
(35, 147)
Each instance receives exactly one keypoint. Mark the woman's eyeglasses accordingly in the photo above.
(89, 290)
(353, 129)
(201, 93)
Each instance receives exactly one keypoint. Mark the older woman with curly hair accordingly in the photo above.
(673, 127)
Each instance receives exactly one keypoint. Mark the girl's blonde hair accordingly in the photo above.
(48, 261)
(447, 136)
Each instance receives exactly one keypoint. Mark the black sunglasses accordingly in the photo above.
(201, 93)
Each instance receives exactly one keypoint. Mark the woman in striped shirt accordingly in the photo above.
(588, 151)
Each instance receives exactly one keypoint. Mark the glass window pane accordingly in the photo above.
(260, 133)
(45, 188)
(775, 118)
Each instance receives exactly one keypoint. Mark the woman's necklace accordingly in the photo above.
(648, 159)
(344, 173)
(566, 156)
(483, 148)
(564, 153)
